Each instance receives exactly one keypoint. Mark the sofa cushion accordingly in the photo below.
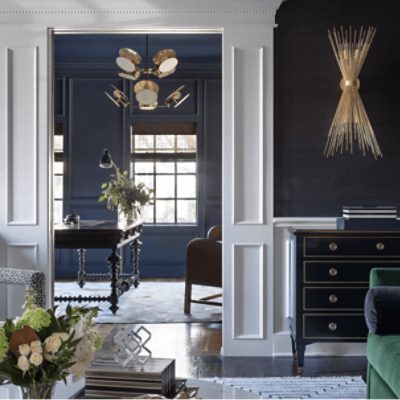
(381, 304)
(383, 354)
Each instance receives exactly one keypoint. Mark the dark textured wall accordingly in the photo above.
(306, 96)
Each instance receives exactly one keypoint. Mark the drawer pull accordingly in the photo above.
(333, 299)
(333, 246)
(332, 326)
(332, 271)
(380, 246)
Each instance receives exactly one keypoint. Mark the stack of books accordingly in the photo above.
(108, 379)
(369, 217)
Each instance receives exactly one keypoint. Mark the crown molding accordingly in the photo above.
(235, 11)
(141, 7)
(144, 12)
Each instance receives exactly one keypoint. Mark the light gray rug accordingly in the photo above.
(152, 302)
(330, 387)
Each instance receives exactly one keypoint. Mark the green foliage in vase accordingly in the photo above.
(121, 192)
(41, 347)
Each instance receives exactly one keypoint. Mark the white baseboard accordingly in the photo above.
(283, 347)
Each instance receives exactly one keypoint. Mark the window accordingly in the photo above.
(166, 163)
(58, 173)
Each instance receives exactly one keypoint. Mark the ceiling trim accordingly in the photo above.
(235, 11)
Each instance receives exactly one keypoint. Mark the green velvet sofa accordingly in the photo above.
(383, 351)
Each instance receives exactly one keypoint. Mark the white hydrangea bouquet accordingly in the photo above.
(39, 348)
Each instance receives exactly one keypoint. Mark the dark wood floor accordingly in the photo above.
(196, 348)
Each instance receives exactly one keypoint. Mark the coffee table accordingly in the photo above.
(207, 390)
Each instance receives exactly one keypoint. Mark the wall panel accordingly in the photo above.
(248, 291)
(21, 130)
(248, 131)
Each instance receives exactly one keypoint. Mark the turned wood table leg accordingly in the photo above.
(114, 260)
(82, 266)
(135, 258)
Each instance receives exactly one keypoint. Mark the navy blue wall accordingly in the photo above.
(307, 93)
(84, 68)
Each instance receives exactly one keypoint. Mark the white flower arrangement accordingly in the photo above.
(41, 348)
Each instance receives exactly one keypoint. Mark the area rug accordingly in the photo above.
(153, 302)
(330, 387)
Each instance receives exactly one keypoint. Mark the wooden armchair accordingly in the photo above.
(204, 266)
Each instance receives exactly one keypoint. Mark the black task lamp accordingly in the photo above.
(106, 160)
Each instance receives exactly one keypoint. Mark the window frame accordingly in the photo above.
(173, 156)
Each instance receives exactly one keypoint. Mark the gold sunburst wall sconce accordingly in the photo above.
(351, 123)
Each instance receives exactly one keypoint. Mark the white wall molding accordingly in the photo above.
(246, 25)
(248, 161)
(248, 291)
(143, 12)
(195, 13)
(300, 222)
(248, 190)
(21, 133)
(24, 149)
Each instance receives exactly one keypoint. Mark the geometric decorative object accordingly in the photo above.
(351, 123)
(130, 346)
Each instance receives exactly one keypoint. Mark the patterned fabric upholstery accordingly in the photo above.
(31, 279)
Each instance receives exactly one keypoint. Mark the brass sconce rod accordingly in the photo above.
(351, 123)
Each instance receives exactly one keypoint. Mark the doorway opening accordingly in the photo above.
(174, 151)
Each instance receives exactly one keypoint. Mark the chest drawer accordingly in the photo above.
(334, 326)
(342, 271)
(334, 298)
(352, 246)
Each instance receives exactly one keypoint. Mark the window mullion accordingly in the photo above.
(144, 150)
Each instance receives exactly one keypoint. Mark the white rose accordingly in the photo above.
(36, 359)
(62, 335)
(36, 347)
(24, 349)
(52, 344)
(23, 363)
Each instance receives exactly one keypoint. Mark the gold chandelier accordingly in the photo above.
(146, 90)
(351, 122)
(129, 61)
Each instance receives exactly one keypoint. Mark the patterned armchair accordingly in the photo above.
(34, 280)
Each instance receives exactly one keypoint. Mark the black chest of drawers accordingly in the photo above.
(329, 277)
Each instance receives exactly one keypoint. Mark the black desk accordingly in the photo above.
(99, 235)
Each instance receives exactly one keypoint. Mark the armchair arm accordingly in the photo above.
(384, 277)
(382, 305)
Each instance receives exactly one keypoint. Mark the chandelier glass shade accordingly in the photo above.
(146, 94)
(129, 61)
(351, 123)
